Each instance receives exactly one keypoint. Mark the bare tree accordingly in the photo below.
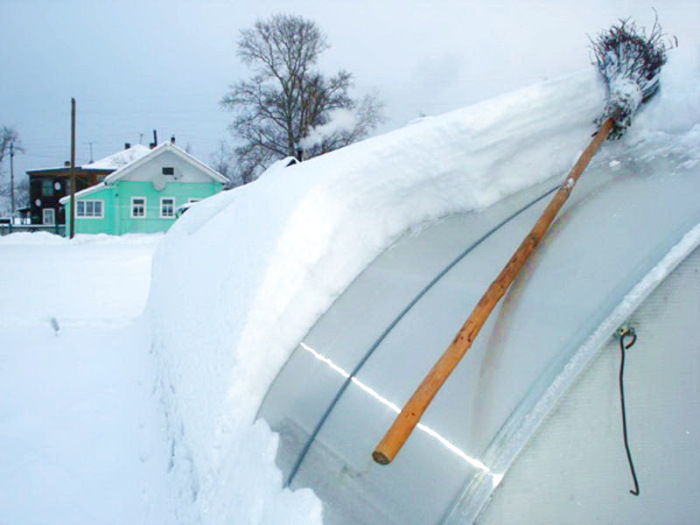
(10, 144)
(9, 136)
(287, 101)
(22, 192)
(222, 160)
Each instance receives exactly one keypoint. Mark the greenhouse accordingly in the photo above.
(550, 345)
(318, 297)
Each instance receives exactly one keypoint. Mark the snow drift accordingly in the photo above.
(242, 276)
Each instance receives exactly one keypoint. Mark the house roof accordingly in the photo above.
(119, 159)
(156, 152)
(65, 171)
(141, 160)
(107, 164)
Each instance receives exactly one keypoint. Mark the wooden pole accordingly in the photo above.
(72, 168)
(12, 179)
(413, 410)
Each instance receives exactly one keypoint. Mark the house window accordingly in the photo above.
(48, 216)
(168, 171)
(92, 209)
(47, 188)
(138, 206)
(167, 207)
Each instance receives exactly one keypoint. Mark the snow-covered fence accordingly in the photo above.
(8, 228)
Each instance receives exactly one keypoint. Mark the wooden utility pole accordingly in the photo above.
(72, 168)
(12, 178)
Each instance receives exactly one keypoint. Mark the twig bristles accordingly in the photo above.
(630, 62)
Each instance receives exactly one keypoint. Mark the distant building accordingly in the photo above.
(48, 186)
(143, 195)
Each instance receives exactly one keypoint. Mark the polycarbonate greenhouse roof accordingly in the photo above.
(610, 247)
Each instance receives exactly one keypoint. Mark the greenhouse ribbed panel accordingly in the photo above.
(342, 387)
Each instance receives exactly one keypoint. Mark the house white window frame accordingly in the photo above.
(145, 207)
(172, 207)
(48, 189)
(48, 212)
(85, 215)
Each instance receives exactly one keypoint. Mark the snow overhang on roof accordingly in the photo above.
(156, 152)
(66, 170)
(105, 165)
(119, 159)
(329, 218)
(140, 161)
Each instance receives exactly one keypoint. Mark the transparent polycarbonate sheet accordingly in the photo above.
(443, 454)
(362, 361)
(614, 239)
(575, 468)
(307, 385)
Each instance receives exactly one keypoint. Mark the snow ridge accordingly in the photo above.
(240, 279)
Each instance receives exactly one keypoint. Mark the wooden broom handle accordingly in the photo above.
(413, 410)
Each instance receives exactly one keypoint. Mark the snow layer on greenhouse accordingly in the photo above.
(335, 283)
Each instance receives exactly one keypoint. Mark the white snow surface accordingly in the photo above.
(82, 437)
(242, 277)
(120, 159)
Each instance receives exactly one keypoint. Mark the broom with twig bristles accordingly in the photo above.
(630, 62)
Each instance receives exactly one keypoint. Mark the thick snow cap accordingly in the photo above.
(241, 277)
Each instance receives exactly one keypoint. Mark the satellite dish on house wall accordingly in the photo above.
(159, 183)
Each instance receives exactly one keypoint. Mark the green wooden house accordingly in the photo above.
(143, 196)
(49, 185)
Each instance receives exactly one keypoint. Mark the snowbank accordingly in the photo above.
(102, 239)
(81, 432)
(243, 275)
(91, 279)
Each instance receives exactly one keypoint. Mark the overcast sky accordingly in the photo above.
(138, 66)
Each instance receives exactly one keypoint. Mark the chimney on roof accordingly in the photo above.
(127, 145)
(172, 139)
(155, 139)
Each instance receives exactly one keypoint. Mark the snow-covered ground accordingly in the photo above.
(81, 431)
(114, 417)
